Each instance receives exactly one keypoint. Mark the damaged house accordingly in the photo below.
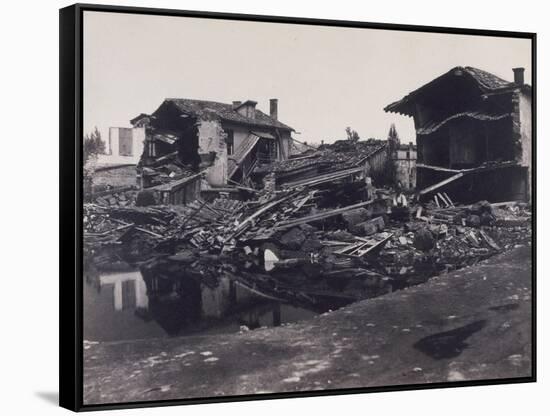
(473, 133)
(344, 160)
(187, 140)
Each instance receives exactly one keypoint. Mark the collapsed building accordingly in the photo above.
(342, 159)
(187, 140)
(473, 132)
(319, 228)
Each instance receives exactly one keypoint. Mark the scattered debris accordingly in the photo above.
(305, 243)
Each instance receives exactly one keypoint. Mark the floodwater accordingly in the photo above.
(119, 306)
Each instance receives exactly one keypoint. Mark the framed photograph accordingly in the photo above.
(257, 207)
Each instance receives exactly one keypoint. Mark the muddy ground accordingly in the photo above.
(471, 324)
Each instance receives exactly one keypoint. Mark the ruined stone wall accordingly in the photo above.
(522, 135)
(525, 129)
(212, 142)
(526, 132)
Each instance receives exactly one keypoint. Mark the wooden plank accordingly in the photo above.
(105, 233)
(333, 243)
(143, 230)
(443, 199)
(324, 178)
(442, 183)
(235, 160)
(503, 204)
(257, 292)
(377, 247)
(449, 199)
(241, 227)
(437, 168)
(348, 248)
(321, 215)
(359, 249)
(300, 204)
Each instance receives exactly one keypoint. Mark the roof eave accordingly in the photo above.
(401, 106)
(398, 108)
(254, 124)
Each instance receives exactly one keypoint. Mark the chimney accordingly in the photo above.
(274, 108)
(519, 76)
(236, 104)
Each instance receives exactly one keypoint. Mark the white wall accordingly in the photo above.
(525, 111)
(402, 154)
(212, 139)
(112, 147)
(29, 308)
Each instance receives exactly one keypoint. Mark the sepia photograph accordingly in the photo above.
(277, 207)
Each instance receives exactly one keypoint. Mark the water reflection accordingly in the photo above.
(125, 305)
(129, 290)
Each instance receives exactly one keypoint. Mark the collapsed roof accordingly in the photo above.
(340, 155)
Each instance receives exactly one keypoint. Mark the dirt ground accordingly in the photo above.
(467, 325)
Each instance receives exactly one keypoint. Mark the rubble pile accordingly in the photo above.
(344, 154)
(104, 225)
(165, 169)
(340, 155)
(117, 199)
(303, 244)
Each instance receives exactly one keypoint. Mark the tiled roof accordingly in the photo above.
(334, 157)
(225, 112)
(486, 82)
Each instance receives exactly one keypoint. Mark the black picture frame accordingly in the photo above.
(71, 199)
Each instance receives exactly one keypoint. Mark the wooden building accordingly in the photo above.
(473, 134)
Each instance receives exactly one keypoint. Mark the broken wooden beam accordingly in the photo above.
(449, 199)
(321, 215)
(443, 199)
(242, 225)
(442, 183)
(324, 178)
(376, 248)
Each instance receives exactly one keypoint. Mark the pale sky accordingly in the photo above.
(325, 78)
